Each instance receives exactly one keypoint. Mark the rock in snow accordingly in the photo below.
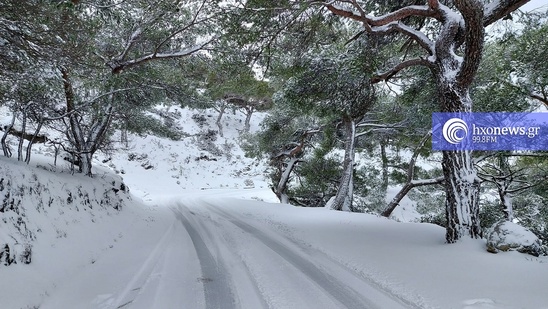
(509, 236)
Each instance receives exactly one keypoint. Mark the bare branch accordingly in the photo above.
(537, 96)
(400, 66)
(411, 170)
(104, 6)
(191, 24)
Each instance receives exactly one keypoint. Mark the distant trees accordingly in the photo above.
(232, 84)
(71, 48)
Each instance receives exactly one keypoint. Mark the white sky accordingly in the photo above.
(535, 5)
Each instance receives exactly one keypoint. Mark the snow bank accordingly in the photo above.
(34, 201)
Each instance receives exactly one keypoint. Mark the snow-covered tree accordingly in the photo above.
(335, 84)
(452, 53)
(446, 38)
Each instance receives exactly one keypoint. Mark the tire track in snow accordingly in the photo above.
(217, 291)
(132, 289)
(342, 292)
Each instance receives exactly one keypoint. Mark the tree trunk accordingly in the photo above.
(281, 188)
(124, 134)
(85, 145)
(247, 124)
(384, 159)
(403, 192)
(5, 147)
(74, 134)
(461, 181)
(462, 196)
(21, 138)
(503, 184)
(86, 165)
(343, 199)
(221, 111)
(31, 141)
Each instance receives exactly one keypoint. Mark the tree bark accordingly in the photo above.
(503, 185)
(344, 197)
(23, 129)
(461, 181)
(462, 196)
(32, 141)
(221, 111)
(281, 188)
(384, 159)
(248, 113)
(5, 147)
(85, 144)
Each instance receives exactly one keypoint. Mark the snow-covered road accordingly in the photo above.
(227, 249)
(214, 257)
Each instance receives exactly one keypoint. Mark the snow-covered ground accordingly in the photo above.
(204, 233)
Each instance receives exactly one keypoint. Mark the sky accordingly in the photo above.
(535, 5)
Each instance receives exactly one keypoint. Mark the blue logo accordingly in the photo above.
(490, 131)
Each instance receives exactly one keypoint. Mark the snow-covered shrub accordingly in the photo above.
(249, 183)
(509, 236)
(532, 212)
(490, 214)
(316, 182)
(228, 148)
(434, 218)
(206, 142)
(369, 193)
(200, 120)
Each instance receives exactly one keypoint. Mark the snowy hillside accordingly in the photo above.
(201, 160)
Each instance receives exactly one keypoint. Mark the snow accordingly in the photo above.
(406, 211)
(515, 234)
(191, 236)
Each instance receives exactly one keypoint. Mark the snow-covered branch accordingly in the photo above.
(391, 22)
(412, 162)
(118, 67)
(102, 7)
(499, 9)
(398, 15)
(417, 36)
